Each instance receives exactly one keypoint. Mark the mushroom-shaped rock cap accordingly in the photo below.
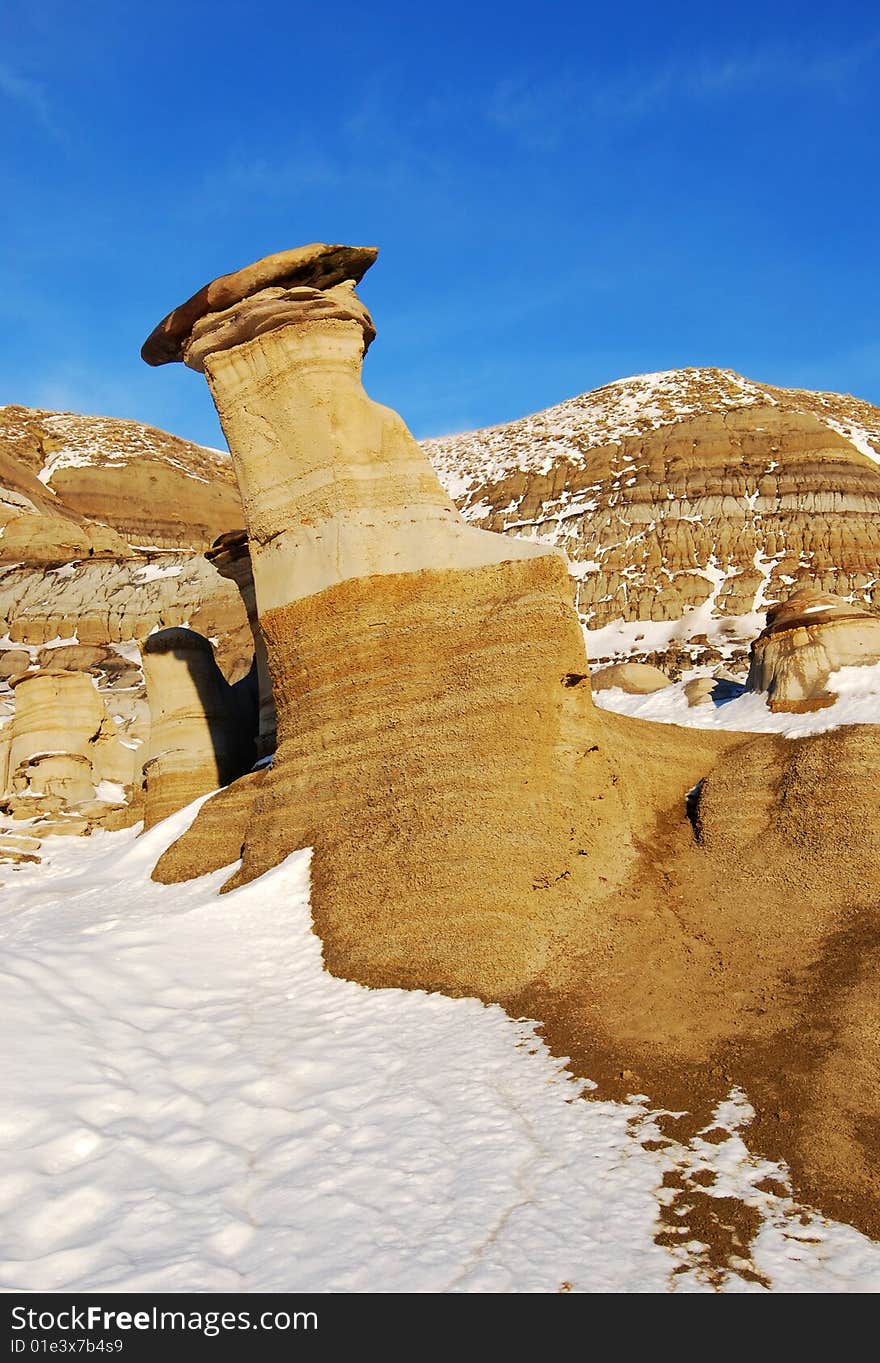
(811, 607)
(177, 639)
(317, 266)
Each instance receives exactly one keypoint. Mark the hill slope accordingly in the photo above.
(63, 475)
(694, 495)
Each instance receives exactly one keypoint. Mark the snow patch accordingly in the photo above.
(857, 688)
(192, 1103)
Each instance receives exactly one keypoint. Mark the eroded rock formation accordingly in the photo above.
(79, 487)
(807, 638)
(637, 679)
(478, 827)
(230, 555)
(201, 735)
(693, 494)
(424, 671)
(102, 527)
(62, 745)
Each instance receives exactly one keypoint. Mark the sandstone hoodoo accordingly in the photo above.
(429, 677)
(807, 638)
(201, 728)
(478, 826)
(64, 753)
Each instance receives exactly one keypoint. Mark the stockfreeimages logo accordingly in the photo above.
(73, 1319)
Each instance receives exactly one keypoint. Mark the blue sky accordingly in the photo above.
(562, 194)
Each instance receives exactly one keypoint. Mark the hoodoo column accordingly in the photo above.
(436, 736)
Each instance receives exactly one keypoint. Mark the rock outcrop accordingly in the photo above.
(103, 524)
(63, 747)
(230, 555)
(693, 495)
(807, 638)
(201, 735)
(637, 679)
(429, 677)
(114, 602)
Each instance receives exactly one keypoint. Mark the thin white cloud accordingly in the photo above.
(30, 96)
(542, 113)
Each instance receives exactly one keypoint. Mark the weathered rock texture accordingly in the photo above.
(201, 735)
(98, 604)
(428, 676)
(317, 268)
(637, 679)
(231, 557)
(79, 487)
(807, 638)
(479, 827)
(61, 744)
(691, 489)
(103, 524)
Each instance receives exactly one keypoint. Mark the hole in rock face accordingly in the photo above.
(575, 678)
(692, 809)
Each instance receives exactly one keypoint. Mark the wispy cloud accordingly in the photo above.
(31, 97)
(543, 113)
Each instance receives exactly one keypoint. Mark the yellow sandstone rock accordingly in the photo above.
(478, 826)
(637, 679)
(199, 738)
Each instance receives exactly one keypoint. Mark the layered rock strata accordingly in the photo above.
(79, 487)
(201, 735)
(103, 604)
(693, 495)
(479, 827)
(806, 639)
(62, 745)
(429, 677)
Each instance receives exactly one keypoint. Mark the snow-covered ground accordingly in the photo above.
(857, 689)
(191, 1103)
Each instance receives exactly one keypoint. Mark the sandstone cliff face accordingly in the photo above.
(691, 493)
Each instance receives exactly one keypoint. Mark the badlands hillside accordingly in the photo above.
(694, 495)
(67, 479)
(686, 501)
(103, 527)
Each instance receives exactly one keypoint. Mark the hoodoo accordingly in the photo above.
(199, 738)
(478, 826)
(807, 638)
(435, 726)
